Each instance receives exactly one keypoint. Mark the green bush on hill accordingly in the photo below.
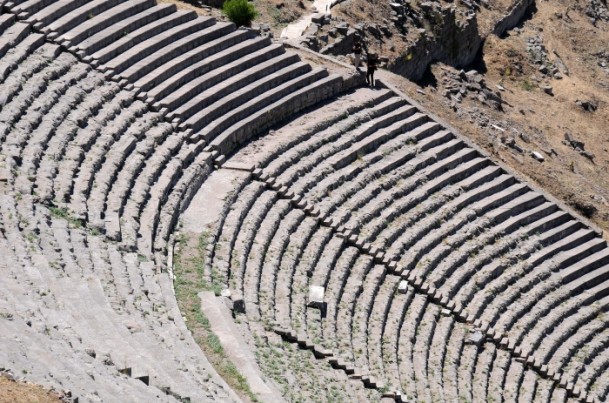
(241, 12)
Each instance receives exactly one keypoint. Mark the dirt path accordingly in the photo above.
(297, 28)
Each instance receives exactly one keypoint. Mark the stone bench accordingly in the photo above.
(123, 27)
(142, 35)
(271, 91)
(347, 201)
(225, 88)
(296, 100)
(270, 270)
(454, 215)
(501, 239)
(202, 74)
(100, 21)
(249, 99)
(175, 49)
(54, 10)
(30, 6)
(13, 34)
(329, 132)
(185, 61)
(162, 37)
(61, 23)
(6, 20)
(127, 177)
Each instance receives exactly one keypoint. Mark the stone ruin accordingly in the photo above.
(442, 275)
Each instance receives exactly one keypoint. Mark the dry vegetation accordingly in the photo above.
(277, 14)
(189, 280)
(20, 392)
(579, 181)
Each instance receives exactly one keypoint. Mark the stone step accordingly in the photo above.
(253, 292)
(373, 199)
(587, 272)
(178, 64)
(346, 305)
(232, 90)
(396, 244)
(374, 140)
(53, 11)
(12, 35)
(428, 243)
(161, 38)
(96, 22)
(175, 49)
(279, 164)
(115, 158)
(502, 277)
(361, 316)
(296, 100)
(142, 35)
(269, 271)
(328, 142)
(75, 152)
(6, 20)
(529, 223)
(124, 27)
(454, 147)
(119, 193)
(30, 6)
(441, 252)
(598, 291)
(61, 24)
(246, 103)
(16, 106)
(181, 197)
(19, 53)
(576, 254)
(34, 149)
(413, 314)
(202, 74)
(83, 182)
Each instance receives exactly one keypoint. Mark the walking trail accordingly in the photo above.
(297, 28)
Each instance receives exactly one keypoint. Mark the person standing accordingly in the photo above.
(357, 52)
(372, 64)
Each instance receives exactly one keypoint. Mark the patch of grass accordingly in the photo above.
(61, 212)
(527, 86)
(189, 267)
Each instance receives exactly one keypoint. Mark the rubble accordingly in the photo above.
(460, 85)
(578, 146)
(588, 106)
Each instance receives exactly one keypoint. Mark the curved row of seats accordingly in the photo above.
(80, 149)
(366, 323)
(103, 320)
(74, 150)
(90, 137)
(194, 68)
(401, 185)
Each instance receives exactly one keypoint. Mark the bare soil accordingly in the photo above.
(24, 392)
(277, 14)
(580, 181)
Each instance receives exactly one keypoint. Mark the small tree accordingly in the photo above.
(241, 12)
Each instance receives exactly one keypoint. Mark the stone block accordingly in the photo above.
(475, 337)
(403, 287)
(239, 305)
(316, 297)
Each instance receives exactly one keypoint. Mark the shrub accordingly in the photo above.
(241, 12)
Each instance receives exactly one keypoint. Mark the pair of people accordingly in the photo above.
(371, 62)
